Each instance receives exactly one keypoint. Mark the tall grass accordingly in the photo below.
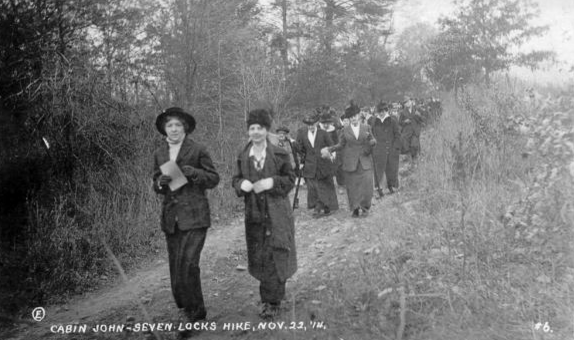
(481, 240)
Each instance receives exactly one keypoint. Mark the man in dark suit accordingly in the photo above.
(318, 171)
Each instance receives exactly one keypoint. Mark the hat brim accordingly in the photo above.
(310, 121)
(184, 116)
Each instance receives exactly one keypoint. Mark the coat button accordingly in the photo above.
(268, 233)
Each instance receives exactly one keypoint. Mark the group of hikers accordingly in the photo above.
(355, 148)
(360, 148)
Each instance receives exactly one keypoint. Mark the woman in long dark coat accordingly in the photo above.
(357, 142)
(185, 213)
(264, 177)
(386, 153)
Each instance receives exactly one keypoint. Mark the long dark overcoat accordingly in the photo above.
(388, 136)
(268, 216)
(410, 122)
(187, 206)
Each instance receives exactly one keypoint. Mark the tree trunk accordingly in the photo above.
(329, 18)
(285, 42)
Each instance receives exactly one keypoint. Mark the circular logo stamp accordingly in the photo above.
(39, 313)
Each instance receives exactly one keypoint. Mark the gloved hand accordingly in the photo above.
(262, 185)
(246, 186)
(163, 180)
(189, 171)
(325, 153)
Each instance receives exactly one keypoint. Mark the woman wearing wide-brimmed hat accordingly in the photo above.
(357, 141)
(185, 214)
(264, 177)
(318, 171)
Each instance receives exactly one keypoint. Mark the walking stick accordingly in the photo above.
(295, 198)
(300, 171)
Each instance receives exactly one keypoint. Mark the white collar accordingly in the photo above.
(252, 151)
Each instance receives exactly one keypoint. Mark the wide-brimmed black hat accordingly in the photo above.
(283, 128)
(174, 112)
(311, 118)
(261, 117)
(382, 106)
(352, 110)
(326, 118)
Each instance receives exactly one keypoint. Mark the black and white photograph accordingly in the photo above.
(287, 169)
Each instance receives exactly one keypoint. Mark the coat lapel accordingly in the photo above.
(184, 152)
(362, 132)
(163, 155)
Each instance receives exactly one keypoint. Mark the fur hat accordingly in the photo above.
(174, 112)
(261, 117)
(326, 117)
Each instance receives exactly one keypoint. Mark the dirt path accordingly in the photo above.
(231, 294)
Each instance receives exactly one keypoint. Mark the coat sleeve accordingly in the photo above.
(370, 142)
(328, 140)
(396, 133)
(237, 179)
(156, 173)
(207, 176)
(301, 151)
(342, 142)
(284, 181)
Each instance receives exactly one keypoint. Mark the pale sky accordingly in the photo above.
(557, 14)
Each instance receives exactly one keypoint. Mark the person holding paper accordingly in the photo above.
(263, 177)
(182, 172)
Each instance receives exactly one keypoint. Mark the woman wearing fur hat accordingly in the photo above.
(356, 141)
(185, 213)
(264, 177)
(318, 170)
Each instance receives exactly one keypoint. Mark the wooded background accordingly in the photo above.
(82, 81)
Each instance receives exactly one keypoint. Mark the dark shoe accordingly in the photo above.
(269, 311)
(391, 190)
(197, 315)
(365, 212)
(355, 213)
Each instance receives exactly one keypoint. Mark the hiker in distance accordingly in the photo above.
(182, 172)
(264, 177)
